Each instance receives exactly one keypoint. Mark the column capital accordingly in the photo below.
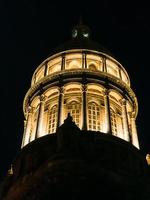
(63, 55)
(28, 112)
(130, 114)
(84, 88)
(25, 123)
(30, 109)
(105, 92)
(123, 102)
(103, 57)
(133, 114)
(34, 108)
(42, 98)
(61, 90)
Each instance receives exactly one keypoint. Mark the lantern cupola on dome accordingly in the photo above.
(81, 31)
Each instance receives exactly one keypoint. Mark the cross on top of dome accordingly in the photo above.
(81, 31)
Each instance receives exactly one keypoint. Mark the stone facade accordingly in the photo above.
(75, 164)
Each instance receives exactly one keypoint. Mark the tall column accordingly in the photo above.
(24, 133)
(28, 126)
(134, 135)
(125, 120)
(39, 131)
(34, 126)
(60, 106)
(107, 112)
(84, 107)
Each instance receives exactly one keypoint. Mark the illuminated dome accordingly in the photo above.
(85, 80)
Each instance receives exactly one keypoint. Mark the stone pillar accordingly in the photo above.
(84, 107)
(39, 131)
(125, 120)
(24, 133)
(107, 112)
(134, 135)
(28, 126)
(60, 106)
(34, 125)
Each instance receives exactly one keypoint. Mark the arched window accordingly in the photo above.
(93, 116)
(52, 121)
(113, 122)
(92, 67)
(74, 64)
(74, 109)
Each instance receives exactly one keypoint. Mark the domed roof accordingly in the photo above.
(81, 40)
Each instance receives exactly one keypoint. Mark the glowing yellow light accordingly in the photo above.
(148, 159)
(104, 114)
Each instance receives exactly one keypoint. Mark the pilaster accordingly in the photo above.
(107, 111)
(39, 131)
(125, 120)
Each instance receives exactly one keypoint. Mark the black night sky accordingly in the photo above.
(30, 29)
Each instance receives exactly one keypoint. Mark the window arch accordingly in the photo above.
(52, 120)
(93, 116)
(113, 121)
(74, 108)
(74, 64)
(92, 66)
